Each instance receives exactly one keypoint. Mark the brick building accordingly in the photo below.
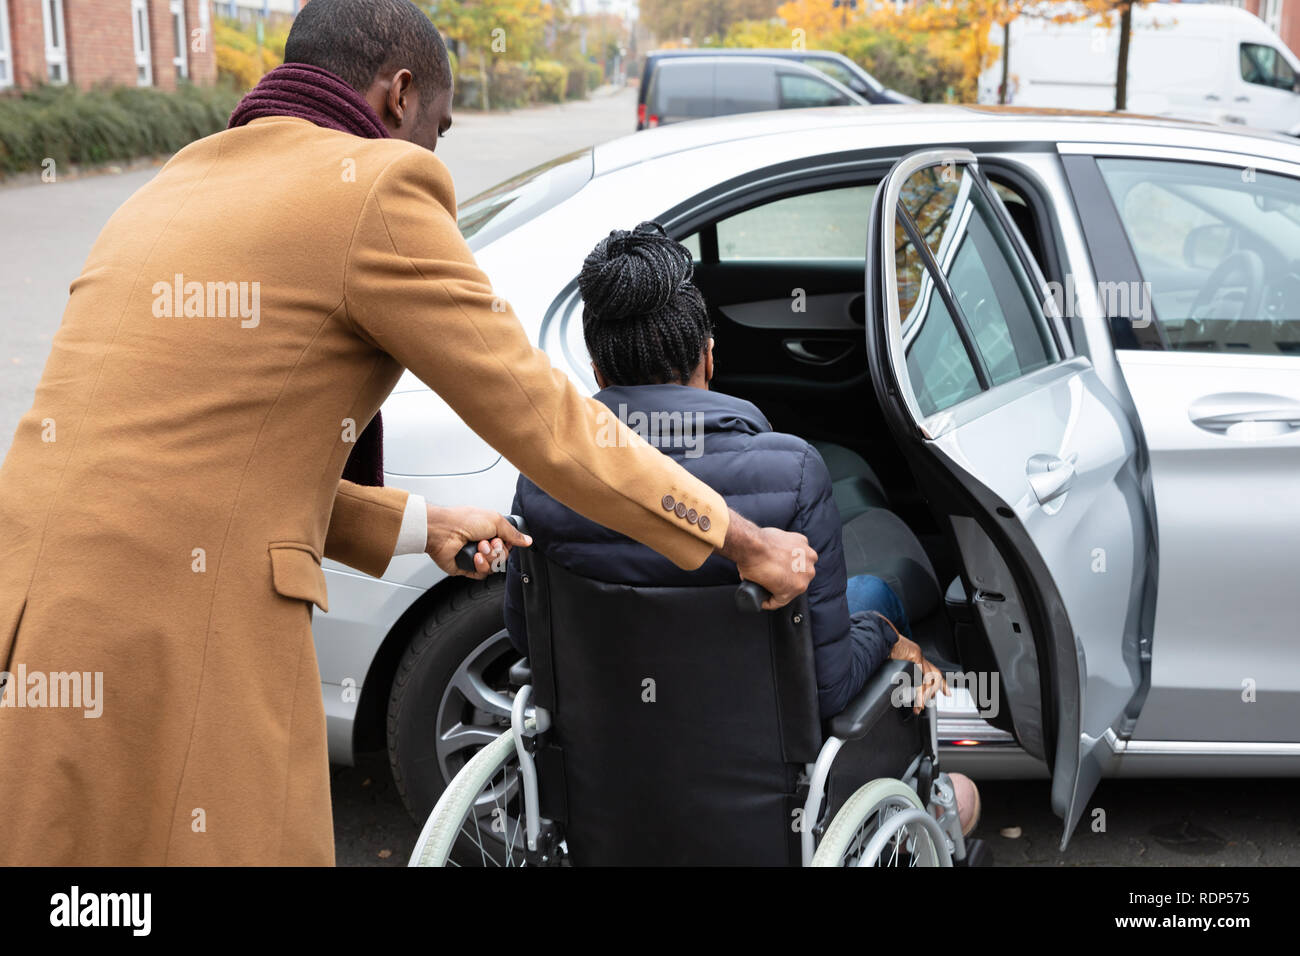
(106, 43)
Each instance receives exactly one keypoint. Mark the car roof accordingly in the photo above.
(924, 124)
(745, 51)
(783, 63)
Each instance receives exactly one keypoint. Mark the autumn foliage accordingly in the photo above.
(934, 51)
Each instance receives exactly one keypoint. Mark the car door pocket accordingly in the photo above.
(818, 351)
(296, 572)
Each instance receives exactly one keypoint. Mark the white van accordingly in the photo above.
(1188, 60)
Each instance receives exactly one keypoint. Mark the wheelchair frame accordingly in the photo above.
(438, 838)
(929, 788)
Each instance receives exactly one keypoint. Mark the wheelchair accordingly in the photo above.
(679, 726)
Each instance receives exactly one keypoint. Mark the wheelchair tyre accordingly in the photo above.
(472, 801)
(884, 823)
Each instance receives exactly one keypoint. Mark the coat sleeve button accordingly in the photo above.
(704, 522)
(668, 502)
(680, 510)
(692, 516)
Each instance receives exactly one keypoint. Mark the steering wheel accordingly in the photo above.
(1244, 262)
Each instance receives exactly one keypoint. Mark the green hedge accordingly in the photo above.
(97, 126)
(552, 78)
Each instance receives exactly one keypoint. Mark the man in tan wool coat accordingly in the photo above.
(168, 499)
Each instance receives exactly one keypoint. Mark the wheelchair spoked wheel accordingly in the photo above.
(478, 820)
(883, 824)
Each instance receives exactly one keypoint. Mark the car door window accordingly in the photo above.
(1266, 66)
(681, 91)
(829, 224)
(998, 331)
(799, 91)
(1219, 252)
(937, 361)
(743, 88)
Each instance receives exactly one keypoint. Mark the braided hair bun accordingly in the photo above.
(644, 321)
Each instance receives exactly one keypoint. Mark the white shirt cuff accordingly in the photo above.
(413, 538)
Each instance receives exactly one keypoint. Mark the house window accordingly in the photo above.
(6, 56)
(140, 34)
(56, 42)
(205, 21)
(1270, 11)
(181, 39)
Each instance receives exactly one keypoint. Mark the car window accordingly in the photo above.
(799, 91)
(994, 293)
(514, 202)
(681, 90)
(1266, 66)
(1219, 252)
(836, 71)
(979, 265)
(937, 362)
(829, 224)
(743, 88)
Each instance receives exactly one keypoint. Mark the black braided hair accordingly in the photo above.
(644, 321)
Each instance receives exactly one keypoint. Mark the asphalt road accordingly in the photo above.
(47, 231)
(1169, 823)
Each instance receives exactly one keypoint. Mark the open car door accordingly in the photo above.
(1024, 454)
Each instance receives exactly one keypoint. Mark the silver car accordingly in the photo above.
(1067, 345)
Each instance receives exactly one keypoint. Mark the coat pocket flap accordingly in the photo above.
(296, 573)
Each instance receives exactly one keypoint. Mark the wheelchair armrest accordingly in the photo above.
(871, 703)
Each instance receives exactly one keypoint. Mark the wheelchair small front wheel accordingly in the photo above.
(476, 812)
(883, 824)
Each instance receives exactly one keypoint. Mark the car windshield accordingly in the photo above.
(510, 204)
(841, 73)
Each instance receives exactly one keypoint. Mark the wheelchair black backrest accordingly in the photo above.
(679, 723)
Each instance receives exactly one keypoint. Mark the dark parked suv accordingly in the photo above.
(700, 87)
(835, 65)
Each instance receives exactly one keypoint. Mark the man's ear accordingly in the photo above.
(708, 363)
(399, 98)
(393, 100)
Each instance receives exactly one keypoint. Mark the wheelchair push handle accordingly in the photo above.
(465, 556)
(750, 596)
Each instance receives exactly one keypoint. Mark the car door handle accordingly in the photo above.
(1242, 99)
(1246, 416)
(1212, 96)
(818, 351)
(1050, 476)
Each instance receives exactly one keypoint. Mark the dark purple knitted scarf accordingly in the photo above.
(310, 93)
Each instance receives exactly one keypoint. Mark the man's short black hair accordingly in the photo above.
(357, 39)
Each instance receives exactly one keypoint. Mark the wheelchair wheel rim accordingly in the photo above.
(890, 843)
(473, 711)
(492, 832)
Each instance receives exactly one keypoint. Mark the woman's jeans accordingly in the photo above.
(866, 592)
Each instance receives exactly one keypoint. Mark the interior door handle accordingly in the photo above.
(1050, 476)
(1246, 416)
(817, 351)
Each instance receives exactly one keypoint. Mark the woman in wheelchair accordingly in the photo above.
(648, 332)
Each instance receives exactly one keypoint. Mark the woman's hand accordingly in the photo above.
(450, 529)
(906, 649)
